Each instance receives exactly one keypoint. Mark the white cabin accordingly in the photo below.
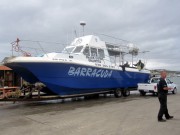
(90, 49)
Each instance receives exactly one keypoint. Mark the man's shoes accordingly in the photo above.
(170, 117)
(161, 120)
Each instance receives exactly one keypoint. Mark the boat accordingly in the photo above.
(85, 66)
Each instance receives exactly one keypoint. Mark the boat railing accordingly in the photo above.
(39, 48)
(35, 48)
(117, 48)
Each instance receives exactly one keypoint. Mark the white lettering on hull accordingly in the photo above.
(82, 71)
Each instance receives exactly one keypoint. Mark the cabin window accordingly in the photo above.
(101, 53)
(86, 51)
(93, 52)
(68, 49)
(78, 49)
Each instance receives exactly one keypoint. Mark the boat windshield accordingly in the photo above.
(86, 51)
(68, 49)
(78, 49)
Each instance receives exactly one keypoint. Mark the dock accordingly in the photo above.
(133, 115)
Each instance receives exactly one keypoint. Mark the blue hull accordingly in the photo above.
(70, 79)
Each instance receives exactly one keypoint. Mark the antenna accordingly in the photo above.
(83, 23)
(75, 33)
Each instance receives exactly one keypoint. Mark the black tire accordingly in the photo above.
(118, 93)
(142, 93)
(155, 94)
(126, 93)
(174, 91)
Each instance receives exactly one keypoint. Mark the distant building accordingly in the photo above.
(8, 77)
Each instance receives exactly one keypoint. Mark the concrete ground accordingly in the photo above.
(134, 115)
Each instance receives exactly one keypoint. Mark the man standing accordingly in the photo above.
(162, 96)
(139, 65)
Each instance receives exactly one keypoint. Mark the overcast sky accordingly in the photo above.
(154, 25)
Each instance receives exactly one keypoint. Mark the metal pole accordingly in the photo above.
(83, 30)
(38, 93)
(82, 23)
(132, 59)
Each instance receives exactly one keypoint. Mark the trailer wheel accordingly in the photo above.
(118, 93)
(142, 93)
(174, 91)
(126, 92)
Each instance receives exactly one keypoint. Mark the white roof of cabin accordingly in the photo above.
(90, 40)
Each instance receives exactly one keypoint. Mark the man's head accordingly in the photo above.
(163, 74)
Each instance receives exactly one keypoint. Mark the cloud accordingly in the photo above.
(152, 25)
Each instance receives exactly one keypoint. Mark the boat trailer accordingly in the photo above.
(33, 93)
(28, 93)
